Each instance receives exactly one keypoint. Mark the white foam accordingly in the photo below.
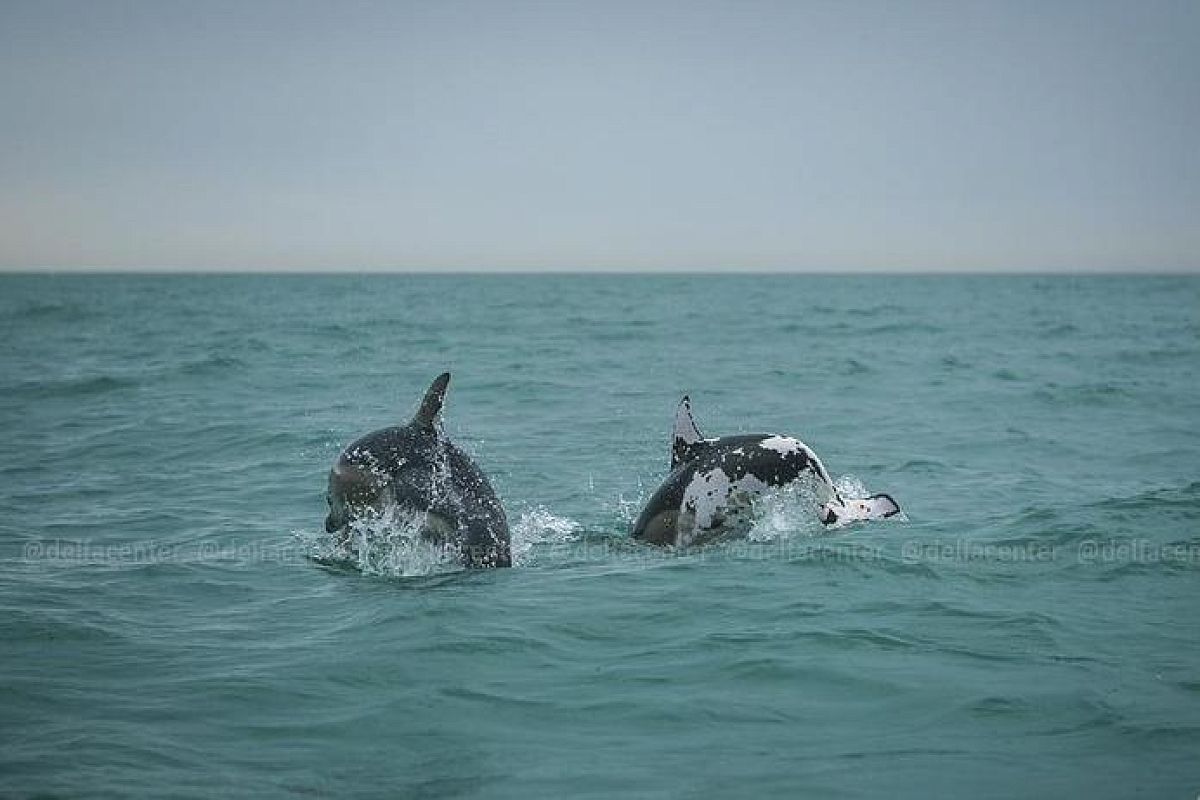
(851, 487)
(540, 527)
(387, 544)
(785, 512)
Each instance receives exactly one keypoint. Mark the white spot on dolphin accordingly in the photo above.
(784, 445)
(705, 494)
(711, 496)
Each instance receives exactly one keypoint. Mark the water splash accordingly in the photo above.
(396, 543)
(851, 487)
(624, 510)
(392, 544)
(785, 512)
(537, 528)
(440, 480)
(792, 510)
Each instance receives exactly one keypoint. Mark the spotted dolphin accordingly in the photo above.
(415, 467)
(713, 482)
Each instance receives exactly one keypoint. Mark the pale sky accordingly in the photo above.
(1003, 135)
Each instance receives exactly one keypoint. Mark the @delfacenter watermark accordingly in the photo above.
(1137, 551)
(1086, 551)
(78, 551)
(912, 551)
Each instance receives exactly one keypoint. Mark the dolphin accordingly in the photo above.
(713, 483)
(415, 467)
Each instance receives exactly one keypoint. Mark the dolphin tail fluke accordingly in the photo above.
(882, 505)
(877, 506)
(431, 406)
(685, 433)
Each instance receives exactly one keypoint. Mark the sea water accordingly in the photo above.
(175, 624)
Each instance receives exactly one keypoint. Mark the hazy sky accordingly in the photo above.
(1009, 134)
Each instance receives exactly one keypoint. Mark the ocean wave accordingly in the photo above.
(1085, 394)
(896, 328)
(1080, 711)
(1154, 564)
(952, 363)
(37, 626)
(878, 311)
(214, 363)
(58, 311)
(853, 366)
(74, 387)
(924, 466)
(1157, 355)
(100, 383)
(1185, 499)
(806, 328)
(1057, 330)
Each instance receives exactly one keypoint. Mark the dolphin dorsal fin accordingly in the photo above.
(431, 406)
(685, 435)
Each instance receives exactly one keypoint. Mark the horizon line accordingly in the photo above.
(225, 269)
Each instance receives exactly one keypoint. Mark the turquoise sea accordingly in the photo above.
(170, 626)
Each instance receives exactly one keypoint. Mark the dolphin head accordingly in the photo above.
(365, 482)
(355, 489)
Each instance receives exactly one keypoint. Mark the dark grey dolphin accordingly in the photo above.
(713, 481)
(416, 468)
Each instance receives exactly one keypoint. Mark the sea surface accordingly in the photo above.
(172, 623)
